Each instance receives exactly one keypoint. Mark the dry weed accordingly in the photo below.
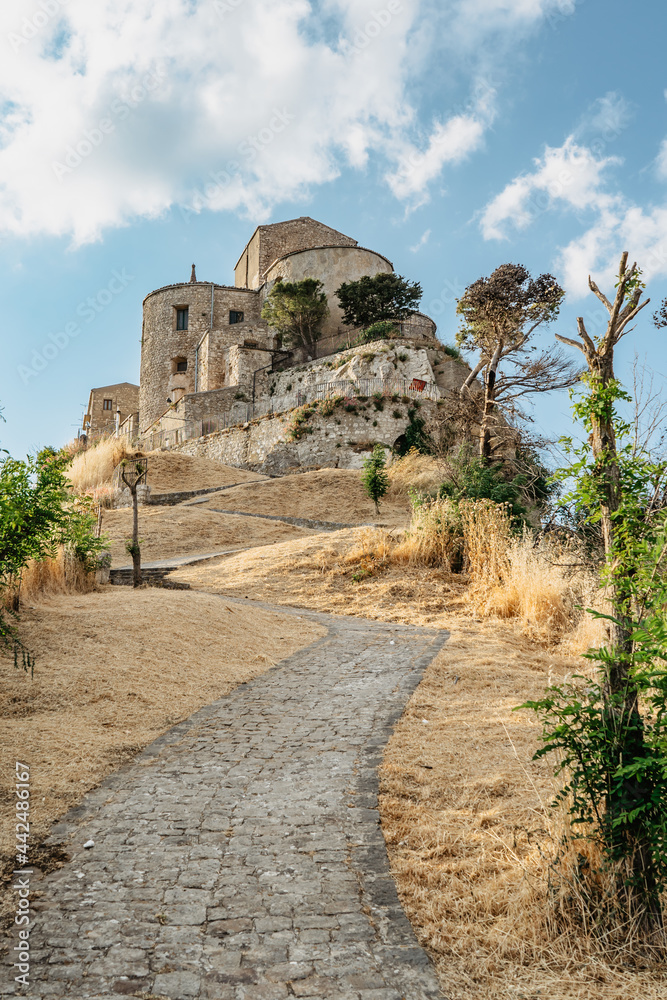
(63, 574)
(414, 472)
(94, 466)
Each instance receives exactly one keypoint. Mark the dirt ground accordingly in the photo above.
(178, 531)
(113, 671)
(326, 495)
(168, 472)
(318, 572)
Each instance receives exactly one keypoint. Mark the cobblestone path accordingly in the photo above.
(240, 856)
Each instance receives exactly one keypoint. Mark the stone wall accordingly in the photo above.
(340, 439)
(381, 359)
(162, 344)
(270, 242)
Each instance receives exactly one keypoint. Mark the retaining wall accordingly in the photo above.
(341, 439)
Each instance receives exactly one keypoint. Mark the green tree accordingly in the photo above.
(499, 316)
(374, 478)
(381, 298)
(296, 310)
(611, 733)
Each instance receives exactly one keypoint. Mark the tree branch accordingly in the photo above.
(596, 291)
(571, 343)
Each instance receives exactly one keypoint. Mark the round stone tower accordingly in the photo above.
(177, 320)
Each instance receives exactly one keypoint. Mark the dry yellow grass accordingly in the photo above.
(415, 471)
(94, 466)
(326, 495)
(466, 817)
(178, 531)
(114, 670)
(63, 574)
(169, 471)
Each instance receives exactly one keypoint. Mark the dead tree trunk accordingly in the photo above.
(621, 701)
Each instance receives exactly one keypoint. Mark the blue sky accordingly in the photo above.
(451, 136)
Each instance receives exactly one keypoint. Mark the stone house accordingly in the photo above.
(109, 406)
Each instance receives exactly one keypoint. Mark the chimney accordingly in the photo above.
(193, 276)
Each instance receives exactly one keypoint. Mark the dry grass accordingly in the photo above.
(414, 471)
(326, 495)
(169, 471)
(470, 835)
(94, 466)
(339, 572)
(114, 670)
(178, 531)
(91, 471)
(63, 574)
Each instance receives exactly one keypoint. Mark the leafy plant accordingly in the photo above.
(374, 479)
(611, 732)
(384, 297)
(382, 330)
(296, 310)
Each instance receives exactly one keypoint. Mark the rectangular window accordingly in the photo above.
(108, 404)
(181, 366)
(235, 316)
(182, 319)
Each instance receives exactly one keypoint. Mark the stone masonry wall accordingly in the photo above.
(381, 359)
(340, 439)
(162, 342)
(272, 241)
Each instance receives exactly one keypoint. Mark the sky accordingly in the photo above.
(452, 136)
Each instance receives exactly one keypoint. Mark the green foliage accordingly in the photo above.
(452, 352)
(38, 513)
(378, 299)
(611, 732)
(472, 479)
(415, 436)
(383, 330)
(296, 310)
(374, 479)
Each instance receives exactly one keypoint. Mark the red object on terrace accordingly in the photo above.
(418, 384)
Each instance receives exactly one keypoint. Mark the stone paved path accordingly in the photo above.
(240, 857)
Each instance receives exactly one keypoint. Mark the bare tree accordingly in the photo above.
(500, 314)
(133, 473)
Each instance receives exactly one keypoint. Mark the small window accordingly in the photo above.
(182, 319)
(108, 404)
(181, 366)
(235, 316)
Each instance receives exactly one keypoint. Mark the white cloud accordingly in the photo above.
(421, 242)
(572, 177)
(117, 109)
(569, 174)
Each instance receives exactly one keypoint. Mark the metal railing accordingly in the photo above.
(243, 412)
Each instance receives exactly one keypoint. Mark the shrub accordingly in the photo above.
(374, 479)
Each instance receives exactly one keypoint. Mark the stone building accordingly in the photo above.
(108, 407)
(203, 338)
